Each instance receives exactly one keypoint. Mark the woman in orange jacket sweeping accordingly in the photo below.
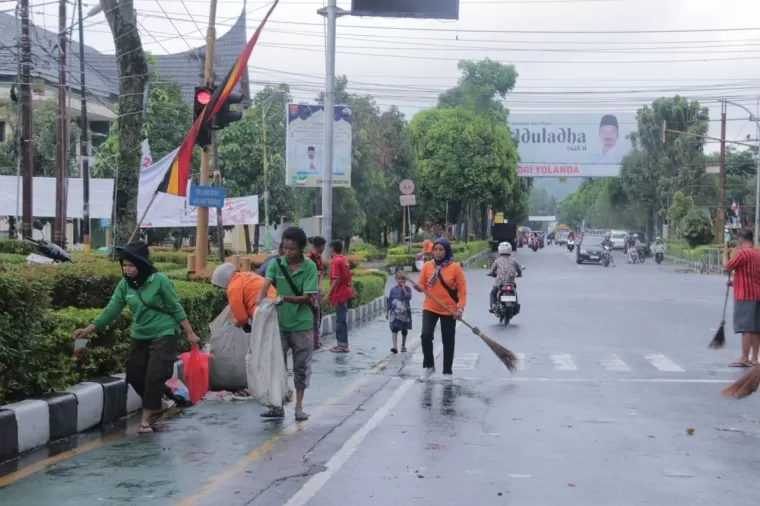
(444, 280)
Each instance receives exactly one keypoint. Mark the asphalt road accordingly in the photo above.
(615, 372)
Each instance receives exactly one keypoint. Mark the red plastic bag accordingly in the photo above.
(196, 373)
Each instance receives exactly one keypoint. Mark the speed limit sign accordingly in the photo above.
(406, 186)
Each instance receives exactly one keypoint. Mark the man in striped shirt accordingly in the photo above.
(745, 266)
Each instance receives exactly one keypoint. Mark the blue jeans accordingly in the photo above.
(341, 323)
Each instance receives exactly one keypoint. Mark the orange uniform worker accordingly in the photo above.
(443, 280)
(427, 246)
(242, 289)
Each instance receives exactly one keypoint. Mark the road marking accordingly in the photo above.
(316, 482)
(467, 361)
(521, 357)
(663, 363)
(614, 363)
(539, 379)
(563, 362)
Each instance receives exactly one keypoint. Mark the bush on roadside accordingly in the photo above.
(366, 289)
(12, 258)
(17, 247)
(406, 260)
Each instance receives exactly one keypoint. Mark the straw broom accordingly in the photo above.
(744, 386)
(508, 358)
(720, 335)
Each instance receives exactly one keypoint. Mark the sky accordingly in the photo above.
(703, 49)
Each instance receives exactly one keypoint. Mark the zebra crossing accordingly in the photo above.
(569, 363)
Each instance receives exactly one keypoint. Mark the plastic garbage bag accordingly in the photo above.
(180, 393)
(229, 345)
(265, 363)
(196, 373)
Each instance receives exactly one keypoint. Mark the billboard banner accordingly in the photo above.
(571, 144)
(304, 150)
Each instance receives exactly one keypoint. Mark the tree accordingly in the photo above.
(679, 208)
(696, 228)
(133, 74)
(479, 86)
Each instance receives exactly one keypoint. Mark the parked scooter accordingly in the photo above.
(49, 253)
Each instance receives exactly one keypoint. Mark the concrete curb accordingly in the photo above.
(33, 423)
(697, 266)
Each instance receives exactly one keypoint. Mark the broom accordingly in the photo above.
(508, 358)
(720, 335)
(744, 386)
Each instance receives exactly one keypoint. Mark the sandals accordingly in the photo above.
(274, 413)
(301, 416)
(394, 350)
(144, 429)
(741, 364)
(403, 349)
(339, 349)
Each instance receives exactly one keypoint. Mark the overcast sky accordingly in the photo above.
(408, 62)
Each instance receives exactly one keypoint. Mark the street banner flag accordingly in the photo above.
(175, 180)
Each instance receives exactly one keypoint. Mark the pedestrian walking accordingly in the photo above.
(745, 266)
(315, 255)
(399, 311)
(443, 279)
(340, 294)
(157, 318)
(295, 278)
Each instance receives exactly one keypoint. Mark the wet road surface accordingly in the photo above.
(615, 371)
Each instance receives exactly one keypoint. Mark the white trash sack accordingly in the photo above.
(265, 363)
(229, 344)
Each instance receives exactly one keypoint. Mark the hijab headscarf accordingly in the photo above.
(440, 264)
(139, 255)
(223, 275)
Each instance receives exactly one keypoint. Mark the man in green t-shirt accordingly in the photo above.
(296, 280)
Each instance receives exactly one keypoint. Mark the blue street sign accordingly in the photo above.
(206, 196)
(105, 223)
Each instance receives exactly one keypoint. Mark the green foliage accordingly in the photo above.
(679, 208)
(401, 260)
(696, 228)
(17, 247)
(480, 85)
(10, 258)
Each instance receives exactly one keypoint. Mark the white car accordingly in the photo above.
(618, 239)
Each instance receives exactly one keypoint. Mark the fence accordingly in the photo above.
(711, 261)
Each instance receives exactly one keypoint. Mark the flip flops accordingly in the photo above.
(741, 364)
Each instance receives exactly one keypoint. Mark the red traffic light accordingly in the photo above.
(203, 97)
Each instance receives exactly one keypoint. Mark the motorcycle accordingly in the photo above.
(49, 253)
(570, 245)
(642, 254)
(606, 256)
(507, 307)
(632, 256)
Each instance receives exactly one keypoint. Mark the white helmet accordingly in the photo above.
(505, 248)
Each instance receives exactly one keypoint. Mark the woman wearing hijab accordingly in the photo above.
(443, 279)
(157, 317)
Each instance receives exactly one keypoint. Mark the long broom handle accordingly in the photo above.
(725, 301)
(437, 301)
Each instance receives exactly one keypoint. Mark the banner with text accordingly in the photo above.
(304, 152)
(571, 144)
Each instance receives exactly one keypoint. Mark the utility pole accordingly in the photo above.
(721, 212)
(218, 182)
(201, 240)
(84, 150)
(26, 122)
(61, 152)
(331, 12)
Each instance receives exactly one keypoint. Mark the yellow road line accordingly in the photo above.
(217, 481)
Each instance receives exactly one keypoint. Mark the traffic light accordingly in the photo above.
(227, 115)
(202, 98)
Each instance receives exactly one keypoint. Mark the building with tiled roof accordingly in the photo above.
(101, 75)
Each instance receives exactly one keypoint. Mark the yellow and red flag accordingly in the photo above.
(175, 180)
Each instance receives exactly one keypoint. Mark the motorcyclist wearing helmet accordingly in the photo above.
(505, 269)
(658, 246)
(607, 243)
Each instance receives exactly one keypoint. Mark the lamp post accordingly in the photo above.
(277, 95)
(753, 117)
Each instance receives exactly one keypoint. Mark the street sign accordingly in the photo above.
(206, 196)
(408, 200)
(406, 186)
(105, 223)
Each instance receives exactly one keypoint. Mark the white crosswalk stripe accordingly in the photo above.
(563, 362)
(614, 363)
(418, 357)
(521, 361)
(466, 361)
(663, 363)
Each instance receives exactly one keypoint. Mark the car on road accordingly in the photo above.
(618, 238)
(589, 250)
(562, 237)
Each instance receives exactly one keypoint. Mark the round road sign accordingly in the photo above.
(406, 186)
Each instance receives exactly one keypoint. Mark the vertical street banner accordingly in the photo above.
(572, 144)
(304, 153)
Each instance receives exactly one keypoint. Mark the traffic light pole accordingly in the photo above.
(201, 234)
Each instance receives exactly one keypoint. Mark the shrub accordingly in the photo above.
(165, 266)
(81, 286)
(17, 247)
(12, 258)
(171, 257)
(366, 289)
(695, 228)
(399, 260)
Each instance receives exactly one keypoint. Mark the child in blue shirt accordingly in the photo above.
(399, 311)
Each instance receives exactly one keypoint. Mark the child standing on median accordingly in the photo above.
(399, 311)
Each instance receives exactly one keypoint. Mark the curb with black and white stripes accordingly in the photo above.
(33, 423)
